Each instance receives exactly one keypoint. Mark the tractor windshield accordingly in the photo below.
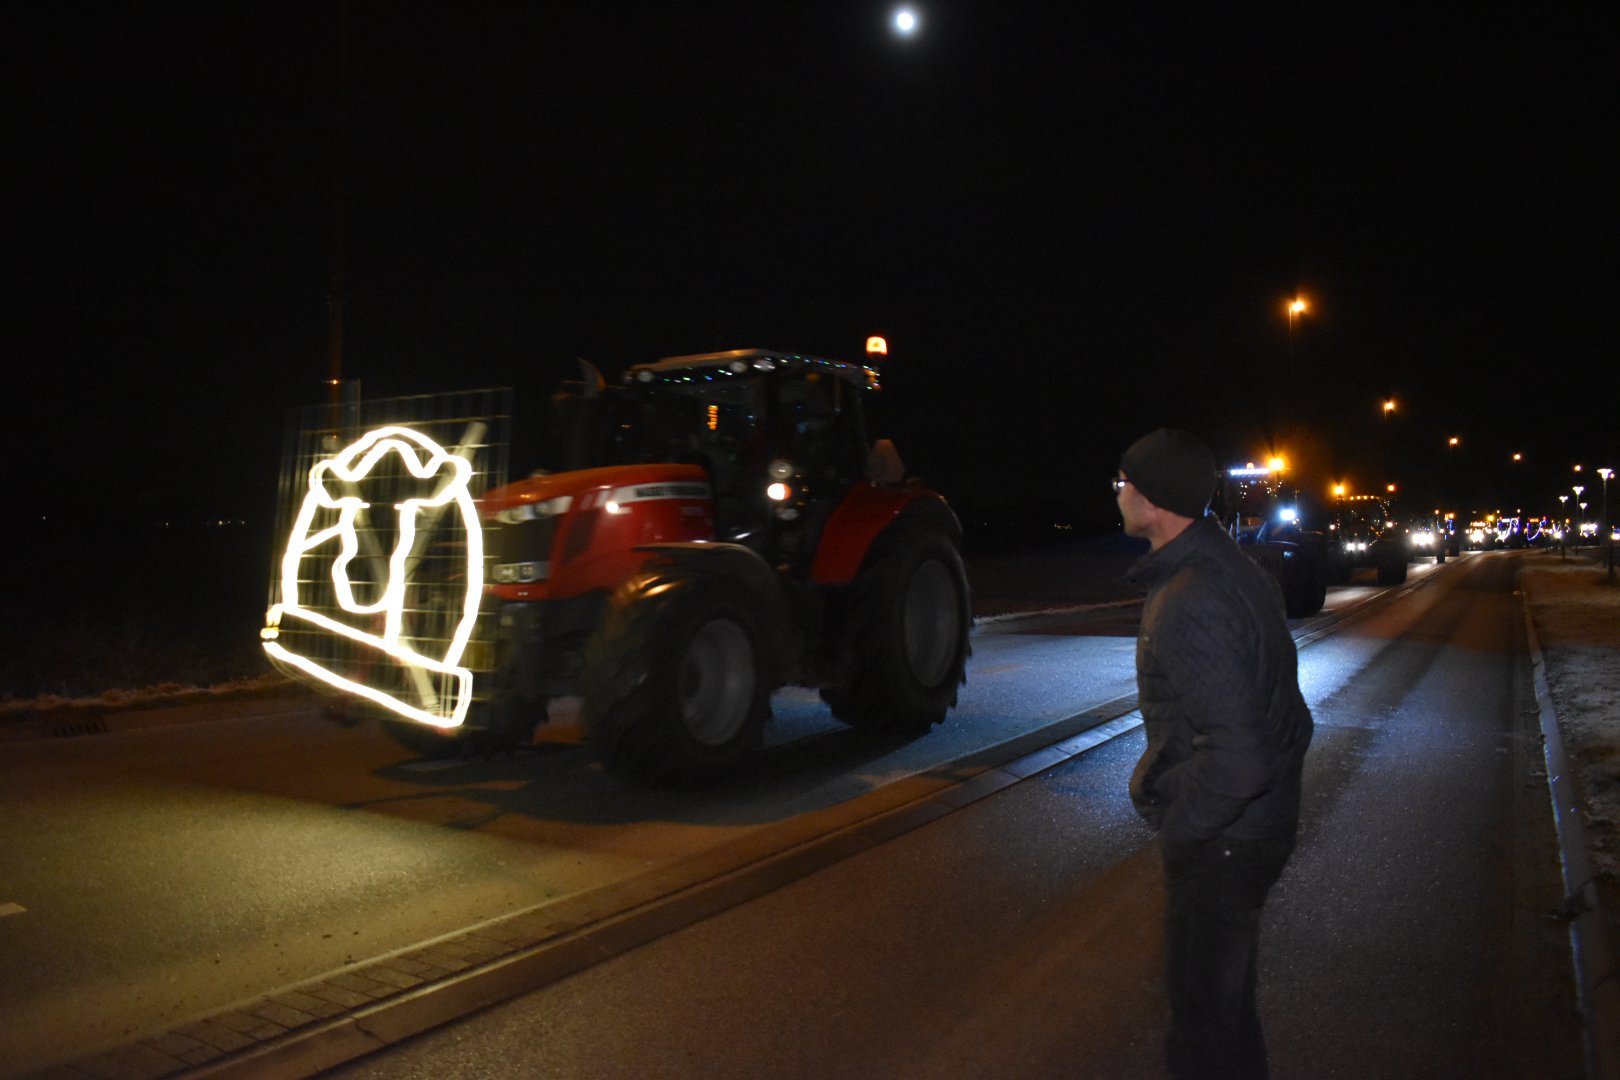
(806, 418)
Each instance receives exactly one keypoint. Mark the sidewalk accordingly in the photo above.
(1576, 611)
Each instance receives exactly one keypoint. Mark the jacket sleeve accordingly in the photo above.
(1212, 656)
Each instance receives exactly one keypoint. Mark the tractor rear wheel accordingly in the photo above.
(908, 627)
(1392, 572)
(676, 683)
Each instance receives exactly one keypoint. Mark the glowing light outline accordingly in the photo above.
(353, 463)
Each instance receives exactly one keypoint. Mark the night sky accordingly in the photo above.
(1074, 223)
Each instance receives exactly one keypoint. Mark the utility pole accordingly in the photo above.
(340, 224)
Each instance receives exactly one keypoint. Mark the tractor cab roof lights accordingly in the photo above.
(743, 361)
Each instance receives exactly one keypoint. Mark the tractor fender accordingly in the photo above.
(699, 559)
(863, 515)
(709, 557)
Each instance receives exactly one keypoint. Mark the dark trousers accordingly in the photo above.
(1212, 943)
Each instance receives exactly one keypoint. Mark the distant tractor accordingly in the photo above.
(1362, 532)
(1269, 522)
(712, 529)
(1429, 537)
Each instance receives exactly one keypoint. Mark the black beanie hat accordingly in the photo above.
(1174, 470)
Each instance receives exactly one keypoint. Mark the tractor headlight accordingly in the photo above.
(515, 515)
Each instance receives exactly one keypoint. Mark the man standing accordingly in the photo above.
(1227, 731)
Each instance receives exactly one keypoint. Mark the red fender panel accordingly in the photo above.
(866, 511)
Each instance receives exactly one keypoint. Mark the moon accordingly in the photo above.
(905, 22)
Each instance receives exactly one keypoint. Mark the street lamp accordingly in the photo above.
(1296, 308)
(1563, 523)
(1603, 523)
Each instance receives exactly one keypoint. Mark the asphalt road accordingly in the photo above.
(167, 873)
(1411, 937)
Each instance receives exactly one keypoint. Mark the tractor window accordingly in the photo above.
(821, 423)
(702, 419)
(1248, 503)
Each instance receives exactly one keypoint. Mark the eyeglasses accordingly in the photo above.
(1118, 484)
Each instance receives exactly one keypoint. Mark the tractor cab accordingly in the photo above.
(1250, 503)
(780, 436)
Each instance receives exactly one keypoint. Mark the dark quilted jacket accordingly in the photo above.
(1217, 678)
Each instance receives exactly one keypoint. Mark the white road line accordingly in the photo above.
(11, 909)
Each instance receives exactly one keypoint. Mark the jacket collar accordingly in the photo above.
(1157, 566)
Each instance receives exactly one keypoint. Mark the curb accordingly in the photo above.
(1596, 986)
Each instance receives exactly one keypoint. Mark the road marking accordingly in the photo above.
(11, 909)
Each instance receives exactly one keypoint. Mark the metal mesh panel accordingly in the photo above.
(378, 547)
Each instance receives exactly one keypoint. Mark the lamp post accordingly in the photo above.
(1295, 308)
(1386, 456)
(1563, 523)
(1452, 475)
(1603, 523)
(1578, 488)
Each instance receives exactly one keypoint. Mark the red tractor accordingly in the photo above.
(715, 528)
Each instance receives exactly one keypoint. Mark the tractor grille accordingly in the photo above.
(521, 553)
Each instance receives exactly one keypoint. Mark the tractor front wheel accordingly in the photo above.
(676, 683)
(1304, 583)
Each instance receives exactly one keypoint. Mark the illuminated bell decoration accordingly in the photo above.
(445, 478)
(877, 346)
